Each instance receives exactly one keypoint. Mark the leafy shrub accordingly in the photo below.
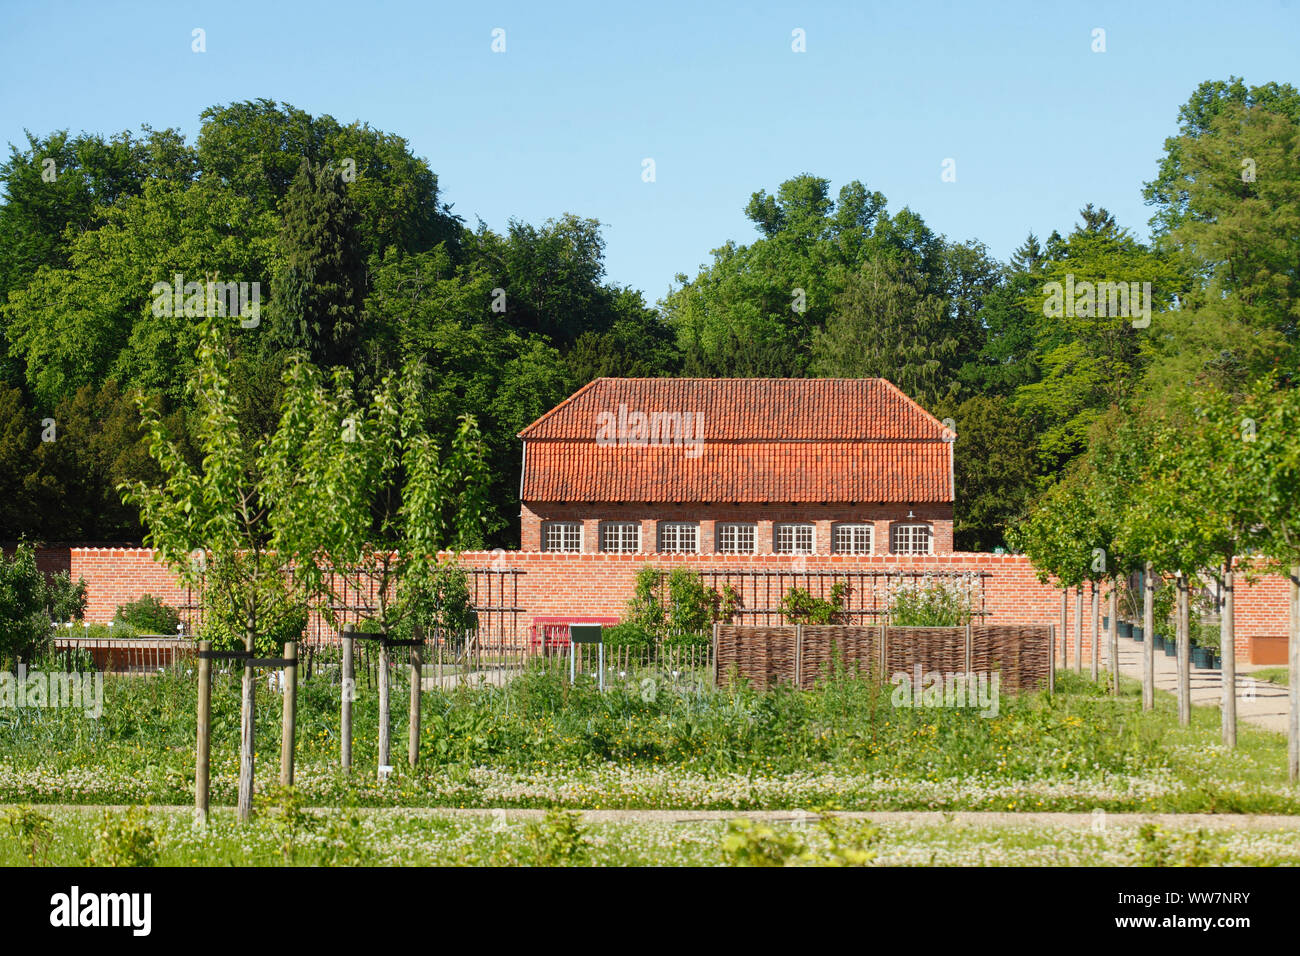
(684, 618)
(148, 615)
(756, 844)
(125, 840)
(933, 604)
(800, 607)
(628, 634)
(557, 840)
(29, 603)
(34, 830)
(1157, 847)
(283, 617)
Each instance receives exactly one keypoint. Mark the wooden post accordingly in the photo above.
(247, 712)
(1114, 639)
(1096, 626)
(1078, 629)
(384, 704)
(1148, 638)
(1293, 660)
(203, 747)
(1183, 650)
(1228, 651)
(349, 693)
(289, 713)
(1065, 623)
(1051, 659)
(413, 723)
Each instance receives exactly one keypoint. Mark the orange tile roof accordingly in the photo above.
(777, 440)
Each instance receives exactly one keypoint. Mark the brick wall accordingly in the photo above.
(881, 516)
(568, 585)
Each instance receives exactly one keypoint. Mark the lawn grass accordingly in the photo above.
(1274, 675)
(290, 836)
(655, 741)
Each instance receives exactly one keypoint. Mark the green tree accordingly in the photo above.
(995, 469)
(886, 324)
(319, 282)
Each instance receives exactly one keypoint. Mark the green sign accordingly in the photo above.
(585, 633)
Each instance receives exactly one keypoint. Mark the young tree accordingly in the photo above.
(243, 528)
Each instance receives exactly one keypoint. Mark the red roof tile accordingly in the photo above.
(744, 440)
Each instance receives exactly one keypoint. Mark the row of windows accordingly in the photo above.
(735, 537)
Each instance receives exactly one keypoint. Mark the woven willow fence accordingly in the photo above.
(804, 654)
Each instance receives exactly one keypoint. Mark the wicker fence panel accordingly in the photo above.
(1021, 653)
(763, 656)
(855, 649)
(934, 648)
(766, 656)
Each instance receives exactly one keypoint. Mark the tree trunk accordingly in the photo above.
(247, 713)
(1096, 625)
(1183, 650)
(1228, 651)
(1148, 639)
(1114, 639)
(1078, 629)
(1065, 626)
(384, 704)
(413, 723)
(1293, 659)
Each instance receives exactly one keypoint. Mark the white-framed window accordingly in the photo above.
(620, 537)
(679, 537)
(737, 537)
(793, 539)
(910, 539)
(852, 538)
(563, 536)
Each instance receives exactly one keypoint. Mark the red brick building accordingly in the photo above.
(737, 466)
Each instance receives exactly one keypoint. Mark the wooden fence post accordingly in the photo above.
(1065, 624)
(384, 705)
(1078, 629)
(1293, 692)
(1114, 640)
(1183, 650)
(1148, 638)
(1051, 659)
(348, 695)
(1228, 652)
(289, 713)
(417, 682)
(203, 747)
(1096, 626)
(247, 713)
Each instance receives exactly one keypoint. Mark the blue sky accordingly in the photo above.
(1037, 123)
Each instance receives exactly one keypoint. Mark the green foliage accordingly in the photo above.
(557, 840)
(29, 603)
(836, 843)
(995, 469)
(33, 830)
(125, 839)
(148, 615)
(930, 604)
(1156, 846)
(800, 607)
(250, 528)
(683, 616)
(282, 811)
